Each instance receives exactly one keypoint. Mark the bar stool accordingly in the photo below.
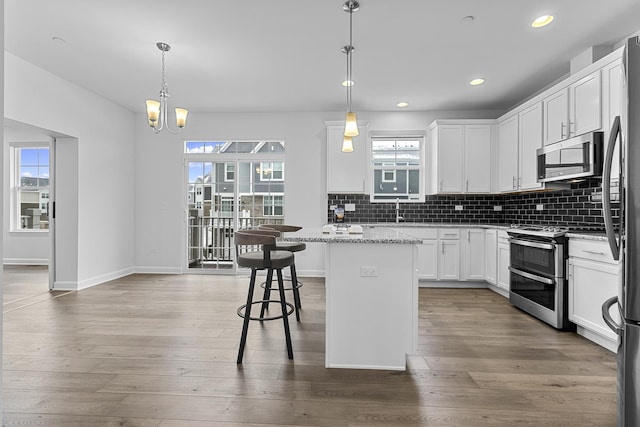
(256, 249)
(291, 247)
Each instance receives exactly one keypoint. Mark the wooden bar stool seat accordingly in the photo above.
(256, 249)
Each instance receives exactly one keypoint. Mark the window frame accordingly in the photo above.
(384, 167)
(16, 187)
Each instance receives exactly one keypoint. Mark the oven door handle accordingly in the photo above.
(535, 277)
(539, 245)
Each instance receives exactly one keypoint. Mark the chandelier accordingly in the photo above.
(157, 110)
(351, 124)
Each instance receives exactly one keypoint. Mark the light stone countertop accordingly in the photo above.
(597, 236)
(376, 234)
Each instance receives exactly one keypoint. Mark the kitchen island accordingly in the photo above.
(371, 285)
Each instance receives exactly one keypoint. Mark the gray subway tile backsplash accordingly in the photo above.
(576, 208)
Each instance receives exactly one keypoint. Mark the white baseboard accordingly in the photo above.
(610, 345)
(158, 270)
(452, 284)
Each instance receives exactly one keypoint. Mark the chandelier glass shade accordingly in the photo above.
(157, 111)
(351, 123)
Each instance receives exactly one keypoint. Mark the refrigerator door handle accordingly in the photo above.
(606, 315)
(606, 190)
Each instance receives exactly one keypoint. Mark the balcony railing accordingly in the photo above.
(210, 239)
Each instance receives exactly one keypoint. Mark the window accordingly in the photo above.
(271, 171)
(229, 172)
(273, 206)
(30, 187)
(397, 168)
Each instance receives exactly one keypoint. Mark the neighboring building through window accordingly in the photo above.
(397, 168)
(30, 187)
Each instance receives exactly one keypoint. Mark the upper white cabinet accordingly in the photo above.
(530, 139)
(612, 87)
(573, 110)
(519, 136)
(346, 172)
(460, 156)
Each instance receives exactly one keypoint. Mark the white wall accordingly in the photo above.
(101, 175)
(20, 247)
(160, 234)
(1, 186)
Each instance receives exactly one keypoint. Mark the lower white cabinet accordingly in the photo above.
(473, 253)
(593, 278)
(504, 253)
(427, 251)
(449, 254)
(491, 255)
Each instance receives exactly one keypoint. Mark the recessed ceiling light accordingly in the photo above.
(476, 82)
(542, 21)
(348, 83)
(402, 104)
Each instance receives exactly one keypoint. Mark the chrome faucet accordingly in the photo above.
(398, 216)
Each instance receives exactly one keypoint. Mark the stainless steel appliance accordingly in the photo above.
(625, 243)
(537, 281)
(575, 158)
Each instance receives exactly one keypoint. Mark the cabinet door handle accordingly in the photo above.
(574, 128)
(513, 182)
(441, 182)
(519, 182)
(593, 252)
(562, 126)
(442, 243)
(467, 186)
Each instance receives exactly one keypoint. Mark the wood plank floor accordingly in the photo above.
(159, 350)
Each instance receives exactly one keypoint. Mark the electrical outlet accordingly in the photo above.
(458, 207)
(349, 207)
(368, 271)
(497, 208)
(332, 207)
(539, 207)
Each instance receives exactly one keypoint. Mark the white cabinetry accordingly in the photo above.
(427, 264)
(490, 254)
(593, 278)
(612, 87)
(504, 260)
(449, 254)
(473, 251)
(346, 172)
(461, 156)
(573, 110)
(519, 136)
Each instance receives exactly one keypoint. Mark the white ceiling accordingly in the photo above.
(284, 55)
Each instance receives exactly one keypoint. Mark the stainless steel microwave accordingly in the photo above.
(572, 159)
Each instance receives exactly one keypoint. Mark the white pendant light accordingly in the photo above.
(157, 114)
(351, 122)
(347, 144)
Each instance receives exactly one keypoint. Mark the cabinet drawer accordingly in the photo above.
(591, 250)
(423, 233)
(449, 233)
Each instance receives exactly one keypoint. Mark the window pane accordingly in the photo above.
(32, 214)
(194, 147)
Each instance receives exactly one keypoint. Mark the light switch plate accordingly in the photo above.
(333, 207)
(497, 208)
(349, 207)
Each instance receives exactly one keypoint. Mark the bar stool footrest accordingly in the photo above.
(241, 310)
(286, 279)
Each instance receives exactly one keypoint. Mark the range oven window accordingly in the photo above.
(533, 257)
(534, 290)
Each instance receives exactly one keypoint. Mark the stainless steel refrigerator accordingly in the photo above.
(625, 239)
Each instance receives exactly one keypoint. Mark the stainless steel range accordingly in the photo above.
(537, 281)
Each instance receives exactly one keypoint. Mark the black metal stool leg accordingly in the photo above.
(296, 293)
(267, 292)
(285, 317)
(247, 313)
